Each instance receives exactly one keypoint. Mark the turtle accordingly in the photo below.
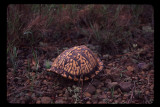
(78, 63)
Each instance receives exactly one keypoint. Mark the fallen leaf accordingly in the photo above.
(130, 68)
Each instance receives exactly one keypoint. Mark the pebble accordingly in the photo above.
(25, 62)
(102, 96)
(101, 102)
(94, 97)
(90, 89)
(125, 96)
(45, 82)
(116, 77)
(59, 91)
(88, 102)
(119, 91)
(10, 69)
(107, 71)
(46, 100)
(38, 102)
(100, 85)
(110, 100)
(96, 82)
(147, 92)
(123, 101)
(49, 90)
(112, 84)
(116, 101)
(98, 91)
(125, 86)
(60, 95)
(95, 101)
(19, 70)
(108, 81)
(108, 93)
(119, 99)
(115, 92)
(32, 74)
(60, 101)
(45, 88)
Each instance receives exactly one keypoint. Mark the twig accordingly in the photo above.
(39, 92)
(88, 85)
(23, 88)
(130, 100)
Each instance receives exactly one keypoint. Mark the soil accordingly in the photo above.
(126, 78)
(128, 73)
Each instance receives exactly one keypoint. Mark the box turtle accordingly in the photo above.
(77, 63)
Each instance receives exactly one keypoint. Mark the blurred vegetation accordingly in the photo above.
(110, 26)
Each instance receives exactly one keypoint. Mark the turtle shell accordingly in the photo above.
(77, 63)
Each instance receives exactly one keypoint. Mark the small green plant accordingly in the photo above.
(121, 74)
(136, 10)
(76, 96)
(112, 92)
(13, 57)
(47, 64)
(138, 93)
(36, 59)
(27, 35)
(96, 32)
(30, 76)
(75, 92)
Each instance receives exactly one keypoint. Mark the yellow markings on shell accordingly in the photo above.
(100, 68)
(91, 60)
(56, 71)
(71, 72)
(70, 67)
(74, 67)
(101, 63)
(61, 61)
(69, 77)
(84, 64)
(96, 72)
(70, 54)
(81, 79)
(72, 57)
(86, 78)
(66, 67)
(78, 69)
(64, 75)
(92, 75)
(60, 71)
(75, 79)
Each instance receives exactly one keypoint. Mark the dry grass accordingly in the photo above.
(107, 25)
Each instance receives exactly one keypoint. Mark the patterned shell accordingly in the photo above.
(77, 63)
